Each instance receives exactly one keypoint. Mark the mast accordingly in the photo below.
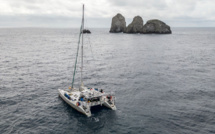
(82, 51)
(76, 59)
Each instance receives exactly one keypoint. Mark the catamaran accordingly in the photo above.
(83, 97)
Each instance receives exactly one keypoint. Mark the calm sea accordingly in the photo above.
(164, 84)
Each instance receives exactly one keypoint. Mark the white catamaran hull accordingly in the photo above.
(74, 98)
(73, 103)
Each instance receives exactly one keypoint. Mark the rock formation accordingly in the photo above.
(136, 26)
(118, 24)
(156, 26)
(86, 31)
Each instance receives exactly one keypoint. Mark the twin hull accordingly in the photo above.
(84, 106)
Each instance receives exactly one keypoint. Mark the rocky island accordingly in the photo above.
(118, 24)
(136, 25)
(86, 31)
(156, 26)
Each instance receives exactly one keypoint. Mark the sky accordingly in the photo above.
(99, 13)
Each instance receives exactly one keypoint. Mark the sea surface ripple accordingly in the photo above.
(164, 84)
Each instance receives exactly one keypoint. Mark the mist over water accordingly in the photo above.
(164, 84)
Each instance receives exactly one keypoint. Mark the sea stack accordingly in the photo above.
(156, 26)
(136, 26)
(86, 31)
(118, 24)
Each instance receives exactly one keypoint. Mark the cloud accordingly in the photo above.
(70, 11)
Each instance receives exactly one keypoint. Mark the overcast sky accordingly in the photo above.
(67, 13)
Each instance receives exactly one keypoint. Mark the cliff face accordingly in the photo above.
(118, 24)
(156, 26)
(136, 26)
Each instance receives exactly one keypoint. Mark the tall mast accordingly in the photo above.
(82, 51)
(79, 39)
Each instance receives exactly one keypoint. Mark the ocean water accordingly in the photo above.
(164, 84)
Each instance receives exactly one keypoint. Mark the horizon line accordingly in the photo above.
(102, 27)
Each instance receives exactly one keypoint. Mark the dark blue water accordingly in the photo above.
(164, 84)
